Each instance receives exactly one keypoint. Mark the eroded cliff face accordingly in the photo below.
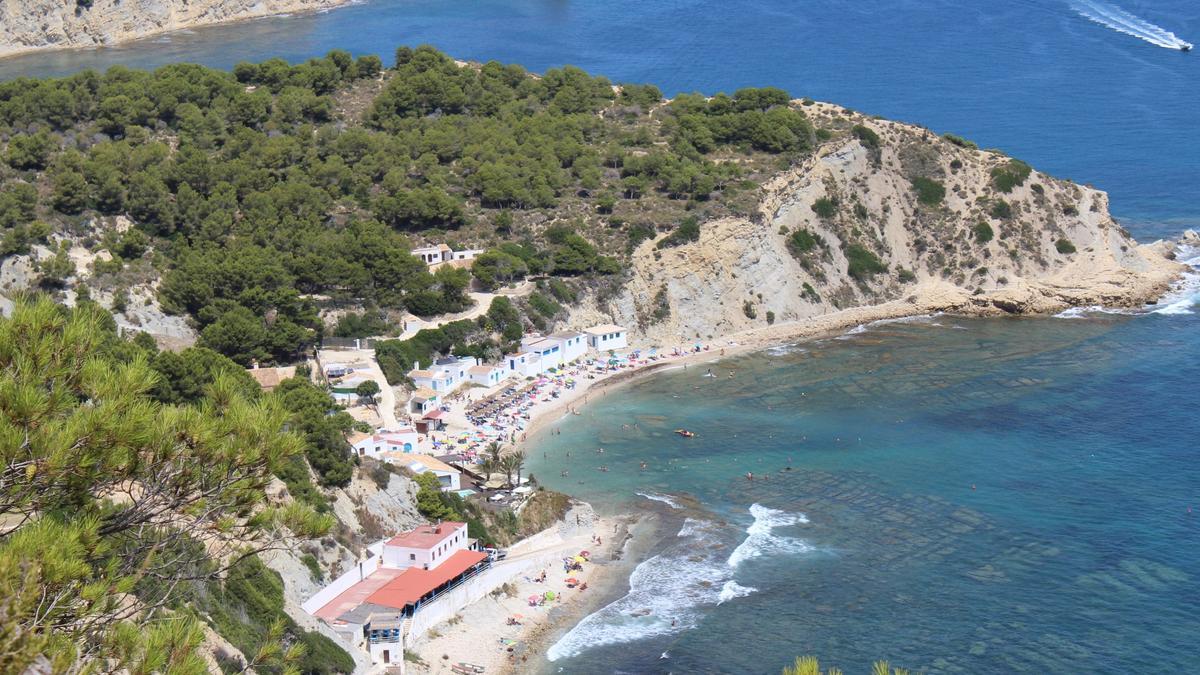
(47, 24)
(1044, 245)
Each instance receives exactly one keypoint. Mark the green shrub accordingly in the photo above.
(868, 137)
(1002, 209)
(803, 241)
(688, 231)
(770, 317)
(314, 567)
(1064, 246)
(929, 192)
(748, 310)
(544, 306)
(810, 293)
(1010, 175)
(960, 141)
(906, 276)
(983, 232)
(825, 207)
(863, 263)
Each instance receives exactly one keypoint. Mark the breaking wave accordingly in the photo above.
(1117, 19)
(664, 499)
(733, 589)
(669, 592)
(1185, 295)
(761, 538)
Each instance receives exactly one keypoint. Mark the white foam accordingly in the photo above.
(1184, 294)
(655, 497)
(693, 528)
(732, 590)
(1111, 16)
(761, 539)
(667, 593)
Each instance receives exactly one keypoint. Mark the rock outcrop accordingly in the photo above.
(968, 247)
(27, 25)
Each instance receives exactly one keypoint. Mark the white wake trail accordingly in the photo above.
(1117, 19)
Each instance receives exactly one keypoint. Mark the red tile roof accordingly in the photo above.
(426, 536)
(416, 583)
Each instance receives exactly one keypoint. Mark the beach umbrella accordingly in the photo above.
(580, 559)
(549, 595)
(572, 580)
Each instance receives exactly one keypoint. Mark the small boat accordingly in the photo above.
(685, 433)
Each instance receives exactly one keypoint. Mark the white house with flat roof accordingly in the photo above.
(423, 401)
(574, 345)
(431, 255)
(401, 440)
(487, 376)
(524, 364)
(435, 256)
(549, 351)
(607, 337)
(445, 374)
(449, 477)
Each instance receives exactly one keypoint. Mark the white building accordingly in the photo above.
(607, 337)
(550, 351)
(431, 255)
(445, 375)
(368, 605)
(423, 401)
(574, 345)
(524, 364)
(487, 376)
(435, 256)
(401, 440)
(449, 477)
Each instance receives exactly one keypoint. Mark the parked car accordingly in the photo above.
(495, 554)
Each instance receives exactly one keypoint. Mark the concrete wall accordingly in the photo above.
(339, 585)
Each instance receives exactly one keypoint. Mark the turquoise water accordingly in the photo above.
(964, 496)
(1036, 78)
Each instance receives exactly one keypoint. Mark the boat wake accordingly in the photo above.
(1117, 19)
(669, 592)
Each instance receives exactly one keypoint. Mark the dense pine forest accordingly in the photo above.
(251, 200)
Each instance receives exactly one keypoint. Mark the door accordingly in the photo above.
(387, 656)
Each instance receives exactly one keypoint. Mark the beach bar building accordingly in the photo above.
(607, 337)
(371, 605)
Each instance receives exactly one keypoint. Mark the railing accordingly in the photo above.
(483, 567)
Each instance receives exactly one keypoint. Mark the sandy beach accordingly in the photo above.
(510, 627)
(482, 634)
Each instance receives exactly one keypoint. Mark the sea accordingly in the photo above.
(953, 495)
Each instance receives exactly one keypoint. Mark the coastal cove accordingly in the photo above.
(883, 345)
(962, 491)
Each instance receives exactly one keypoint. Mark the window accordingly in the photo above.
(412, 556)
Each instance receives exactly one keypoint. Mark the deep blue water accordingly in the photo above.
(965, 496)
(1032, 77)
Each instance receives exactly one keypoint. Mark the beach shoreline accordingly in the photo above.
(260, 11)
(538, 632)
(481, 633)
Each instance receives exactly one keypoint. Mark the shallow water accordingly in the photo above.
(964, 496)
(1036, 78)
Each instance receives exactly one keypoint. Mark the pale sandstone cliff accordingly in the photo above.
(934, 259)
(27, 25)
